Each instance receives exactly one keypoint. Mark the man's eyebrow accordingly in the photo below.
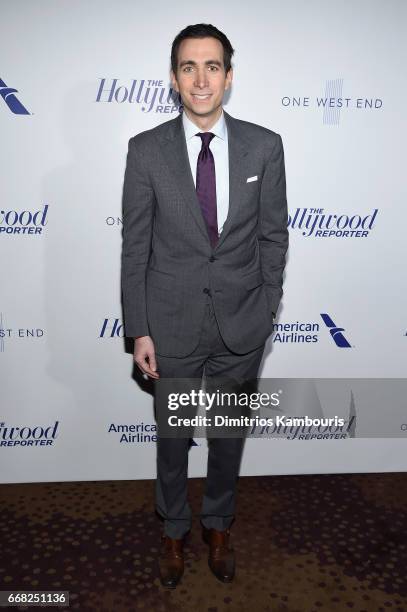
(192, 63)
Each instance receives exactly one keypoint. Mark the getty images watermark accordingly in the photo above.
(254, 401)
(233, 409)
(290, 408)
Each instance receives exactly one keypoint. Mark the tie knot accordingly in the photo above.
(206, 138)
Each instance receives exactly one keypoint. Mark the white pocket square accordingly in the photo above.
(251, 178)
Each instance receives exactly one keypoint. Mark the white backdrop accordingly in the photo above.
(326, 76)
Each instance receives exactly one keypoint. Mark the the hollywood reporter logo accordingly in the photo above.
(23, 221)
(28, 436)
(112, 328)
(150, 94)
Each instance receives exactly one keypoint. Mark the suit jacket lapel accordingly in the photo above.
(176, 156)
(238, 150)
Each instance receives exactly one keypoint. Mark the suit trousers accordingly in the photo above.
(211, 359)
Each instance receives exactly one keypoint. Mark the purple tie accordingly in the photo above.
(206, 186)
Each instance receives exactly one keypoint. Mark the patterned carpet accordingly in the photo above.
(311, 543)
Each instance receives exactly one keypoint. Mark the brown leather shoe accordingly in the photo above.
(171, 561)
(221, 558)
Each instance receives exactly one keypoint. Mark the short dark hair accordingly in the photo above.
(202, 30)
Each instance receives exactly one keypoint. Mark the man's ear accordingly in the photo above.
(173, 80)
(229, 79)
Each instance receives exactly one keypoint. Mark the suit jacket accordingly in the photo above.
(168, 264)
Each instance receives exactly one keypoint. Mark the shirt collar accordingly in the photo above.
(219, 129)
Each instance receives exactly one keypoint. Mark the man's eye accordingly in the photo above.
(214, 67)
(187, 68)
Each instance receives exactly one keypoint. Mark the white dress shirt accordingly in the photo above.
(220, 151)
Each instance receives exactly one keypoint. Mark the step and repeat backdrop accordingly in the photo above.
(77, 80)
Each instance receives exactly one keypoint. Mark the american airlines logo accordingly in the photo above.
(336, 332)
(9, 97)
(308, 332)
(130, 433)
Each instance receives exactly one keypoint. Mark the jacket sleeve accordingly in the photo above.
(138, 217)
(273, 225)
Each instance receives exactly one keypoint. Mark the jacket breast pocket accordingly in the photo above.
(252, 182)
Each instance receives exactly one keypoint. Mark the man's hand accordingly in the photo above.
(144, 355)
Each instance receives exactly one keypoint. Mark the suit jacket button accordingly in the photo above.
(206, 290)
(212, 258)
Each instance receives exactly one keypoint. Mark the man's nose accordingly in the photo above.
(201, 78)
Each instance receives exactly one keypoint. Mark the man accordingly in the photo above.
(204, 245)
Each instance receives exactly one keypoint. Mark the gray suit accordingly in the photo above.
(208, 311)
(168, 264)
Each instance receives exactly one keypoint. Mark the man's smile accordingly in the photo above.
(201, 96)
